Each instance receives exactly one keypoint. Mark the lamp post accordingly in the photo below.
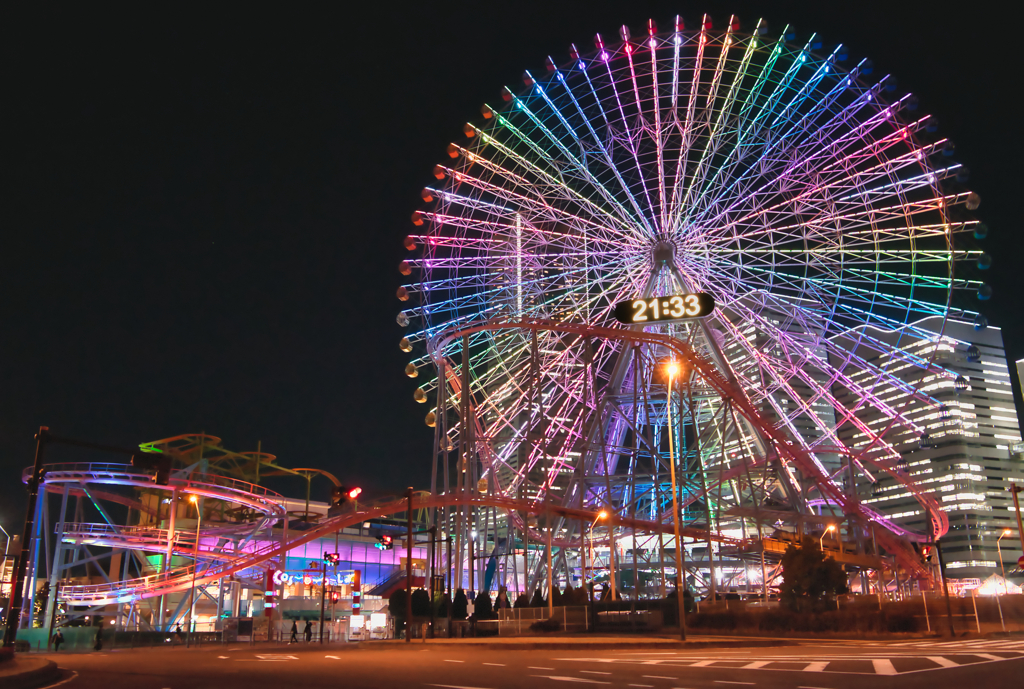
(7, 546)
(831, 527)
(1002, 568)
(195, 567)
(673, 370)
(600, 515)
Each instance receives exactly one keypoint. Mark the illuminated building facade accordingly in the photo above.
(965, 455)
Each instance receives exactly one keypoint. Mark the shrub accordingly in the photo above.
(460, 606)
(523, 601)
(549, 625)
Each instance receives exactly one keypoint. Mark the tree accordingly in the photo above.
(420, 603)
(396, 606)
(556, 597)
(523, 601)
(538, 600)
(482, 608)
(460, 606)
(808, 577)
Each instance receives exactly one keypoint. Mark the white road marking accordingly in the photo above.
(756, 664)
(74, 675)
(817, 666)
(572, 679)
(944, 662)
(883, 666)
(725, 681)
(704, 663)
(276, 657)
(640, 685)
(987, 656)
(335, 657)
(501, 664)
(222, 657)
(533, 667)
(452, 686)
(658, 676)
(595, 672)
(812, 687)
(456, 661)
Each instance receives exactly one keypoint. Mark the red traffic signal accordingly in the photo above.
(926, 553)
(335, 596)
(385, 542)
(354, 493)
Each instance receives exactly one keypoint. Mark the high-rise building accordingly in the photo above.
(965, 455)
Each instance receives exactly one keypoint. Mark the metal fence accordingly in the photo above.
(515, 621)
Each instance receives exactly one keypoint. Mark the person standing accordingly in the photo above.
(308, 631)
(98, 646)
(295, 632)
(58, 639)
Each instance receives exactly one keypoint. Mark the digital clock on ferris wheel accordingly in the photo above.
(669, 308)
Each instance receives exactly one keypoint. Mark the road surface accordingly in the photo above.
(968, 664)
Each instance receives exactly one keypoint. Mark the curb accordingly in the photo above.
(33, 677)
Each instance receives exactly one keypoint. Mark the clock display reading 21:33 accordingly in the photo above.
(669, 308)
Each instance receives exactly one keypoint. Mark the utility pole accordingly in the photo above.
(323, 600)
(1014, 489)
(945, 588)
(18, 580)
(408, 570)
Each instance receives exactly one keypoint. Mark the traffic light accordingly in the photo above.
(154, 460)
(335, 596)
(385, 542)
(332, 558)
(926, 553)
(341, 498)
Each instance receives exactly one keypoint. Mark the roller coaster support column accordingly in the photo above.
(408, 570)
(58, 565)
(18, 584)
(323, 601)
(1014, 489)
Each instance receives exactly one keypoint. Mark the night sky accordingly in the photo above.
(203, 211)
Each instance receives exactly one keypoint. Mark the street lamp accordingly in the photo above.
(600, 515)
(7, 545)
(673, 370)
(1006, 532)
(831, 527)
(195, 567)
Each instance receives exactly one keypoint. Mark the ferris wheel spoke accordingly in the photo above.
(825, 143)
(552, 184)
(715, 140)
(531, 206)
(575, 164)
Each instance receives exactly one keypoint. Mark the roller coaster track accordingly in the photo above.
(893, 537)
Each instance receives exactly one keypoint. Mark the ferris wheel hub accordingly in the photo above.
(663, 254)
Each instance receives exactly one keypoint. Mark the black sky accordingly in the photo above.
(203, 209)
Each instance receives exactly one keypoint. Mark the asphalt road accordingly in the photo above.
(971, 664)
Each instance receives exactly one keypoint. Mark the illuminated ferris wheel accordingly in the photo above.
(806, 195)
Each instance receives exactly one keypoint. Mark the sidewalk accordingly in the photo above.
(583, 642)
(24, 672)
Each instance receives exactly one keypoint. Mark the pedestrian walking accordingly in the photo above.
(308, 631)
(58, 639)
(295, 632)
(178, 633)
(98, 646)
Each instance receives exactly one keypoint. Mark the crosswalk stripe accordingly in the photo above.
(944, 662)
(815, 667)
(883, 666)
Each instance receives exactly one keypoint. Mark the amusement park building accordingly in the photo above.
(965, 456)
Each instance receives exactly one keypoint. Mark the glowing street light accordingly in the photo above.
(600, 515)
(195, 568)
(1006, 532)
(673, 370)
(831, 527)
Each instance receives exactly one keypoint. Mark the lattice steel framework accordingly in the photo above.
(809, 199)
